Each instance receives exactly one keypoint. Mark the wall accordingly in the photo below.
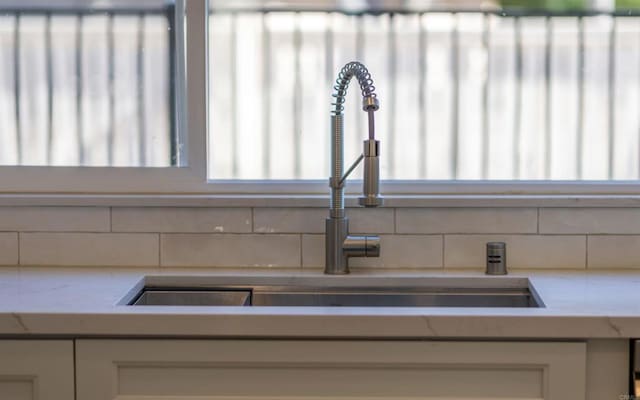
(426, 238)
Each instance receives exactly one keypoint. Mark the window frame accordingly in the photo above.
(192, 127)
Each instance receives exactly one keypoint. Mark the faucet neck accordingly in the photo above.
(337, 163)
(369, 97)
(371, 151)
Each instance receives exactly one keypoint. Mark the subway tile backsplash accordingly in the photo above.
(90, 249)
(590, 220)
(233, 250)
(466, 220)
(8, 248)
(55, 219)
(613, 251)
(417, 238)
(181, 220)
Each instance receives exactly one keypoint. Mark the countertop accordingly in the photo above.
(84, 302)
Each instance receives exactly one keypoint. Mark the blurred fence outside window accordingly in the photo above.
(86, 88)
(464, 95)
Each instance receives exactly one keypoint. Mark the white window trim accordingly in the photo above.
(191, 181)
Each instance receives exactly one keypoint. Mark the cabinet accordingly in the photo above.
(36, 369)
(310, 370)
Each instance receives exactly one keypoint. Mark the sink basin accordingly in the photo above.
(376, 297)
(160, 297)
(338, 296)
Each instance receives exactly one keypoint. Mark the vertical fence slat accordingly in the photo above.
(297, 98)
(393, 82)
(423, 43)
(233, 98)
(548, 113)
(486, 46)
(49, 67)
(79, 90)
(111, 88)
(360, 43)
(16, 86)
(611, 86)
(581, 89)
(266, 99)
(329, 79)
(517, 112)
(455, 98)
(328, 50)
(140, 78)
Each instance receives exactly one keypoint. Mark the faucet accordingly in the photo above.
(339, 245)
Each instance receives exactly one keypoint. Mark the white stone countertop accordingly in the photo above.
(84, 302)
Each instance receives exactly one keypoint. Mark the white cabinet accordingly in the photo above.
(309, 370)
(36, 369)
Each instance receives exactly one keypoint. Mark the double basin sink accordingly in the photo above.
(379, 292)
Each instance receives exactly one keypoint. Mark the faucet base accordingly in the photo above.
(336, 232)
(340, 246)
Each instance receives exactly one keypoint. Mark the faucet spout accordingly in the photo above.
(371, 184)
(339, 245)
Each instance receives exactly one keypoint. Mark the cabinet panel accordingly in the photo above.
(306, 370)
(16, 388)
(36, 370)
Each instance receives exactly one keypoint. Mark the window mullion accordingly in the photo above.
(195, 39)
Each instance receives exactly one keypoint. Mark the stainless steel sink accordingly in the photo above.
(159, 297)
(327, 296)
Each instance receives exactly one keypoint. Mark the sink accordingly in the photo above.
(244, 295)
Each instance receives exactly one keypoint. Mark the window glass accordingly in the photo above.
(469, 90)
(86, 85)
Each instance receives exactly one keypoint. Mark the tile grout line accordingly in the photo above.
(111, 219)
(586, 252)
(301, 252)
(19, 241)
(395, 220)
(253, 224)
(75, 369)
(159, 249)
(443, 250)
(538, 220)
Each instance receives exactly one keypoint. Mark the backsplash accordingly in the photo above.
(551, 238)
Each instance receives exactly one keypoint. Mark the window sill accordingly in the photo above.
(314, 201)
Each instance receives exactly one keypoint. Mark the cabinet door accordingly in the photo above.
(309, 370)
(36, 369)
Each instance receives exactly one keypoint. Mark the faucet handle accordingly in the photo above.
(362, 246)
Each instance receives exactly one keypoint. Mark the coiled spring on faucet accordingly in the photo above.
(350, 70)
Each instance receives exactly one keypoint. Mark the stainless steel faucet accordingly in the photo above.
(340, 246)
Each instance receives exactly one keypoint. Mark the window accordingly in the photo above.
(87, 86)
(466, 93)
(118, 97)
(93, 96)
